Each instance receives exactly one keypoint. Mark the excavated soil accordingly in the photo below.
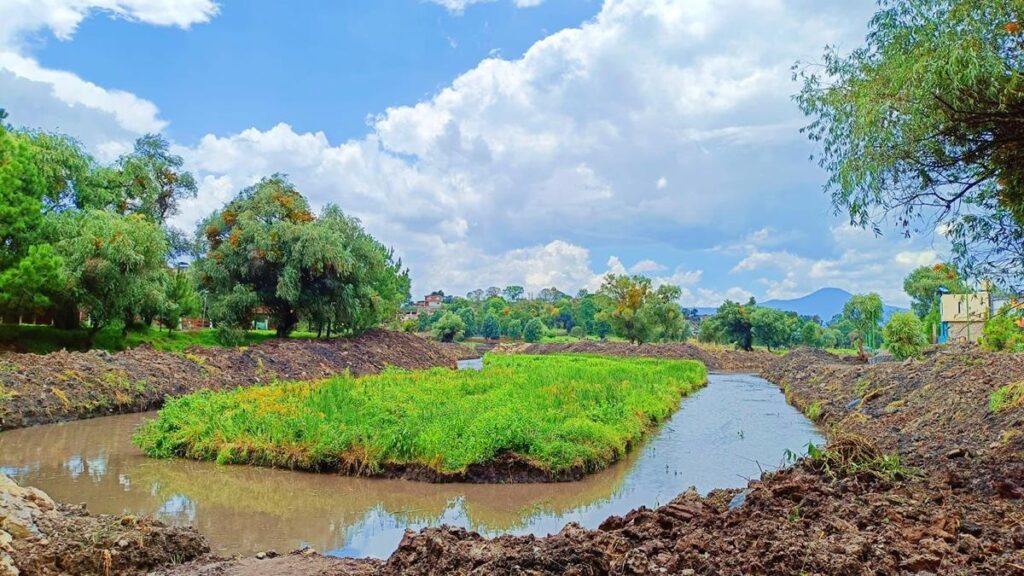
(40, 389)
(41, 537)
(715, 358)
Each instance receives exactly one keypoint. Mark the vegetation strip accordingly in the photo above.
(523, 418)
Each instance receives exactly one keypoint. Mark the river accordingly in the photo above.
(721, 436)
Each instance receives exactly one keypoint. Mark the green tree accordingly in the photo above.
(711, 332)
(491, 327)
(265, 248)
(534, 330)
(733, 322)
(1002, 333)
(922, 125)
(864, 311)
(513, 293)
(179, 299)
(923, 283)
(151, 181)
(904, 335)
(770, 327)
(114, 263)
(514, 329)
(449, 328)
(469, 319)
(811, 335)
(33, 282)
(628, 296)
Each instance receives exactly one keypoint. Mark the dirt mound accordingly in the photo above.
(715, 358)
(40, 537)
(38, 389)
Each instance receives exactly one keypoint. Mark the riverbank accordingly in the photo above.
(715, 358)
(524, 419)
(41, 537)
(61, 386)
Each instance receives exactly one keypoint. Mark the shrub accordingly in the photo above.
(1001, 333)
(514, 329)
(491, 327)
(904, 335)
(1006, 397)
(578, 332)
(230, 336)
(533, 331)
(449, 328)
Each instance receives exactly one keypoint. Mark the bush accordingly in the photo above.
(533, 331)
(230, 336)
(449, 328)
(1001, 333)
(904, 335)
(514, 329)
(491, 327)
(578, 332)
(409, 326)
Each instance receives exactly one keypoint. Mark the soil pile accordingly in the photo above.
(39, 389)
(40, 537)
(715, 358)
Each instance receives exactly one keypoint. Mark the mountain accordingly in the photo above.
(824, 303)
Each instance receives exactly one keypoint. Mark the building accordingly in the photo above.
(962, 316)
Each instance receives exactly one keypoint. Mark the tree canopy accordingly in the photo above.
(922, 124)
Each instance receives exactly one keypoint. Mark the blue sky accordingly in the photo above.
(535, 142)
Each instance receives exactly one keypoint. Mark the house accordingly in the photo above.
(962, 316)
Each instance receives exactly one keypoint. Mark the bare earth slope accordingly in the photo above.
(39, 389)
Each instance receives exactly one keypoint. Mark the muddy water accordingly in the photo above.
(721, 436)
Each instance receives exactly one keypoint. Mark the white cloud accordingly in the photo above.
(662, 183)
(106, 120)
(646, 266)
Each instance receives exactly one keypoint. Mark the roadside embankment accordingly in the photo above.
(716, 358)
(41, 537)
(40, 389)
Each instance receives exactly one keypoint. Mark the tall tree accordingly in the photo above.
(513, 293)
(733, 324)
(770, 327)
(923, 124)
(865, 311)
(266, 248)
(922, 285)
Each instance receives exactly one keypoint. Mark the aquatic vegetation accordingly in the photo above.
(556, 412)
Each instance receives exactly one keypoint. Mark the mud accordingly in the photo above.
(39, 389)
(41, 537)
(718, 359)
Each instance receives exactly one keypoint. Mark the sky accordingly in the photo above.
(489, 142)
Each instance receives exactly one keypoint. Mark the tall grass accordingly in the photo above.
(558, 412)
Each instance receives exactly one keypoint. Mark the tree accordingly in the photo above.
(629, 295)
(586, 313)
(1002, 333)
(475, 295)
(770, 327)
(811, 334)
(734, 325)
(513, 293)
(492, 292)
(922, 285)
(904, 335)
(449, 328)
(179, 299)
(491, 328)
(469, 319)
(151, 180)
(711, 332)
(923, 124)
(864, 311)
(114, 263)
(33, 282)
(533, 331)
(514, 329)
(265, 248)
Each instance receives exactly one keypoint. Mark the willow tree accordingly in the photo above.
(266, 249)
(923, 126)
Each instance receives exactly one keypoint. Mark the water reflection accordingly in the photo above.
(721, 436)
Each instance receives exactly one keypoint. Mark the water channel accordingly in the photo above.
(721, 436)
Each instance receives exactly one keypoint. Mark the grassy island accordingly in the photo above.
(554, 416)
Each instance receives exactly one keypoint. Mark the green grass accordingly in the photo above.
(1006, 397)
(46, 339)
(558, 412)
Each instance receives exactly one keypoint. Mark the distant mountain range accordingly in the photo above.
(824, 303)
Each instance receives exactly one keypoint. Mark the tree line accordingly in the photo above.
(629, 307)
(79, 238)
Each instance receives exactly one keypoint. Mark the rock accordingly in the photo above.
(261, 555)
(739, 500)
(956, 453)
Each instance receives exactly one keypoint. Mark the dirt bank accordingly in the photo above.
(717, 359)
(41, 537)
(39, 389)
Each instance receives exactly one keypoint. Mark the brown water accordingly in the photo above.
(721, 436)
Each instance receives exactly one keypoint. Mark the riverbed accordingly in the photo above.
(730, 431)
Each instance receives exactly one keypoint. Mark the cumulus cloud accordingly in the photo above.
(106, 120)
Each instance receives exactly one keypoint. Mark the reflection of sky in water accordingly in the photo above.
(721, 436)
